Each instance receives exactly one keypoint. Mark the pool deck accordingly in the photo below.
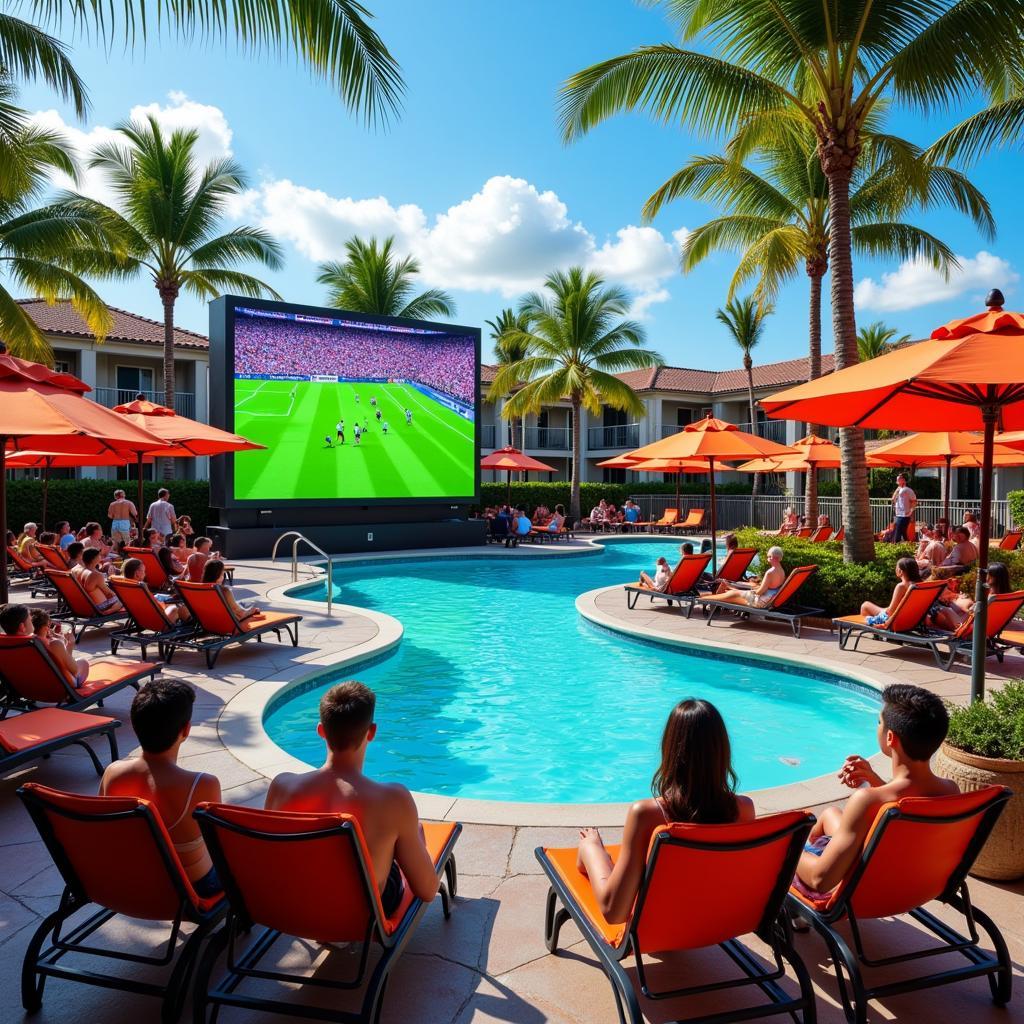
(488, 963)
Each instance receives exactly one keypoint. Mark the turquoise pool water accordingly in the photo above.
(500, 690)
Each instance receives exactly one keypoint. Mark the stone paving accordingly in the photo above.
(487, 963)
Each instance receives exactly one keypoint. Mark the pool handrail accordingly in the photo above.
(302, 538)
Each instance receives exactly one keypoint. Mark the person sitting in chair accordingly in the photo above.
(662, 575)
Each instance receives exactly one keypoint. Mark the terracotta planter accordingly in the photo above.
(1002, 857)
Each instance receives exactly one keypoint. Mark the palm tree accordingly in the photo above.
(170, 213)
(508, 332)
(334, 39)
(777, 217)
(371, 279)
(876, 339)
(744, 319)
(34, 239)
(576, 343)
(830, 66)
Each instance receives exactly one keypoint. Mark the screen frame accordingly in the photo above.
(222, 405)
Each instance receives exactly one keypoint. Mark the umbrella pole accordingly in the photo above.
(3, 518)
(138, 508)
(46, 489)
(714, 540)
(679, 474)
(949, 473)
(980, 649)
(508, 487)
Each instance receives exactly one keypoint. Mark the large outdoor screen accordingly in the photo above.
(352, 408)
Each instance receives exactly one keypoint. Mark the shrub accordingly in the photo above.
(1015, 499)
(838, 587)
(881, 484)
(993, 727)
(1014, 562)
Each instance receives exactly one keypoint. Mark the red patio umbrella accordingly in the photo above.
(967, 376)
(512, 460)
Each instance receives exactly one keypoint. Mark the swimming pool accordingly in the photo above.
(499, 690)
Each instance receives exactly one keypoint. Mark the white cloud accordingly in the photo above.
(639, 257)
(917, 283)
(643, 302)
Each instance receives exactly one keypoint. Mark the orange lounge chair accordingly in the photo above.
(668, 518)
(906, 625)
(148, 621)
(156, 577)
(218, 627)
(735, 566)
(821, 534)
(694, 520)
(77, 607)
(918, 850)
(35, 734)
(703, 885)
(53, 556)
(840, 535)
(31, 677)
(1011, 541)
(804, 533)
(113, 852)
(1002, 609)
(274, 865)
(682, 584)
(20, 570)
(782, 607)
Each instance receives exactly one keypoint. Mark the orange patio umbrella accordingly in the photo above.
(940, 448)
(967, 376)
(810, 454)
(182, 436)
(710, 441)
(41, 410)
(675, 467)
(512, 460)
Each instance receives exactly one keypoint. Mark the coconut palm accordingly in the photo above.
(876, 339)
(744, 319)
(576, 343)
(35, 239)
(777, 217)
(170, 209)
(830, 66)
(372, 279)
(333, 37)
(508, 332)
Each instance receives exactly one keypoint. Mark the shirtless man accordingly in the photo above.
(385, 811)
(94, 582)
(911, 728)
(121, 512)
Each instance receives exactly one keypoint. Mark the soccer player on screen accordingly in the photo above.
(341, 431)
(384, 426)
(357, 433)
(328, 443)
(378, 415)
(408, 417)
(373, 401)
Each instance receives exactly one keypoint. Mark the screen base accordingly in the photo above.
(336, 539)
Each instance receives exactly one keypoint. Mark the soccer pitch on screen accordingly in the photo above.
(409, 445)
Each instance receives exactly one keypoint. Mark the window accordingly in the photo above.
(63, 365)
(614, 417)
(684, 417)
(968, 483)
(614, 476)
(131, 380)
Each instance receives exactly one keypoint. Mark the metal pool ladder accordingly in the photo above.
(302, 538)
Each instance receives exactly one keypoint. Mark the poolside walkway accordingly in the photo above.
(488, 963)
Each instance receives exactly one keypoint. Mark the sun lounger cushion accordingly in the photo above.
(582, 891)
(33, 728)
(266, 620)
(108, 672)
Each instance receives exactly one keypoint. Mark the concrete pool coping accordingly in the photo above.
(240, 725)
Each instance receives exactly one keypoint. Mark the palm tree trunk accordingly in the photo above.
(168, 295)
(574, 486)
(522, 438)
(815, 270)
(758, 485)
(837, 163)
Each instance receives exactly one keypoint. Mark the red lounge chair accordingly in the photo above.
(804, 533)
(821, 534)
(31, 677)
(694, 521)
(274, 865)
(113, 852)
(704, 885)
(156, 577)
(53, 556)
(917, 851)
(1002, 609)
(77, 607)
(148, 622)
(668, 518)
(840, 535)
(906, 625)
(218, 627)
(782, 607)
(35, 734)
(1011, 541)
(735, 566)
(20, 570)
(682, 585)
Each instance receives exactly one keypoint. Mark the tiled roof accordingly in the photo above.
(487, 373)
(61, 318)
(680, 378)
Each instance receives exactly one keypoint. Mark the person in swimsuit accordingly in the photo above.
(694, 784)
(661, 578)
(761, 595)
(951, 609)
(213, 572)
(162, 719)
(135, 569)
(386, 811)
(60, 647)
(94, 582)
(907, 574)
(121, 513)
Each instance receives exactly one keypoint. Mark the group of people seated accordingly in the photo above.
(792, 523)
(514, 524)
(694, 783)
(605, 516)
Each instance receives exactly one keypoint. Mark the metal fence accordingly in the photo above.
(736, 510)
(184, 401)
(549, 438)
(625, 435)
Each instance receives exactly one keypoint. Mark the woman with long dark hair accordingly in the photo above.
(695, 783)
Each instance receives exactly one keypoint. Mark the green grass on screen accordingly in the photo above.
(433, 457)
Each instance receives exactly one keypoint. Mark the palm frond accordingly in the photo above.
(903, 241)
(996, 127)
(30, 53)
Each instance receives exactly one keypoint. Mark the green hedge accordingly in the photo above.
(882, 482)
(557, 492)
(80, 501)
(839, 587)
(1015, 500)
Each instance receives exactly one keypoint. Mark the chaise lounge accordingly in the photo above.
(781, 608)
(682, 586)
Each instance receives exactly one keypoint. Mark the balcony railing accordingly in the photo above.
(549, 438)
(626, 435)
(184, 401)
(771, 430)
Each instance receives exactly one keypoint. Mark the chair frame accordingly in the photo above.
(244, 965)
(690, 527)
(103, 727)
(79, 623)
(774, 929)
(772, 613)
(634, 591)
(40, 964)
(737, 554)
(134, 633)
(853, 992)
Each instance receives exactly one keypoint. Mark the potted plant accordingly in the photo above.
(984, 747)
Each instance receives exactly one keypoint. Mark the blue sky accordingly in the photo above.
(474, 179)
